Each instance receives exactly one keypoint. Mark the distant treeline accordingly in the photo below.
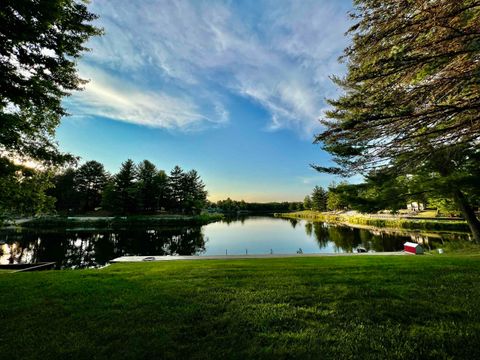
(233, 206)
(136, 188)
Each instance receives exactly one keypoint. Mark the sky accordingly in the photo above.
(233, 89)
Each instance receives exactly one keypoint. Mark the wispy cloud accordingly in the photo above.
(174, 61)
(121, 100)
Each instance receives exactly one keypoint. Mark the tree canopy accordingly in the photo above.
(412, 84)
(411, 96)
(40, 42)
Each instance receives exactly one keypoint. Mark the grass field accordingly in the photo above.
(370, 307)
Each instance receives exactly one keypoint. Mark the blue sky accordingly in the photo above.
(233, 89)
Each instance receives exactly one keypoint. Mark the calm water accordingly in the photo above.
(75, 248)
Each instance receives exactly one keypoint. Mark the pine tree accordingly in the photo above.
(148, 190)
(411, 95)
(319, 199)
(307, 203)
(126, 188)
(175, 188)
(90, 179)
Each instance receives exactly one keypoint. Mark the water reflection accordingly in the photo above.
(235, 236)
(349, 239)
(89, 248)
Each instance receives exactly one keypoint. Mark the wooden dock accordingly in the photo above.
(236, 257)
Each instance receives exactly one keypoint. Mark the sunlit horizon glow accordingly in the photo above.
(232, 89)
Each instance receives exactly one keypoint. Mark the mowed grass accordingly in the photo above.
(359, 307)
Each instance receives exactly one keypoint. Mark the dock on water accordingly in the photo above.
(235, 257)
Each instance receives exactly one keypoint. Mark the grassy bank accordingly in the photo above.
(374, 307)
(120, 221)
(413, 224)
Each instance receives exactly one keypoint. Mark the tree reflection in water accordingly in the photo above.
(90, 248)
(80, 248)
(349, 239)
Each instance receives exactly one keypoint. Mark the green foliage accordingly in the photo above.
(348, 307)
(319, 199)
(40, 43)
(148, 185)
(23, 190)
(307, 203)
(400, 223)
(409, 104)
(234, 206)
(64, 191)
(335, 200)
(125, 185)
(141, 221)
(186, 191)
(90, 179)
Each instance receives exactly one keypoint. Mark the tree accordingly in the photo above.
(126, 187)
(90, 179)
(23, 190)
(319, 199)
(335, 200)
(307, 203)
(109, 197)
(40, 42)
(161, 181)
(175, 187)
(411, 94)
(148, 186)
(194, 196)
(64, 191)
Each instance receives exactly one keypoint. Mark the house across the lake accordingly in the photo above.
(415, 206)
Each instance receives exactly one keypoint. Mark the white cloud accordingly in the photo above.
(119, 100)
(278, 53)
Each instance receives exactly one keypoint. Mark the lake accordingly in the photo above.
(83, 248)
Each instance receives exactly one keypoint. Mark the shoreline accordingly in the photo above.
(370, 221)
(113, 221)
(159, 258)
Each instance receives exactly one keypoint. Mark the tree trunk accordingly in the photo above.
(468, 214)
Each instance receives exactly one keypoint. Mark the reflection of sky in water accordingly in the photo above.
(76, 248)
(259, 235)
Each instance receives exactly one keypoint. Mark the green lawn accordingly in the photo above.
(395, 307)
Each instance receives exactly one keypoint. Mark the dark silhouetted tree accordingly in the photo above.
(64, 191)
(126, 190)
(40, 42)
(90, 179)
(194, 195)
(148, 186)
(175, 187)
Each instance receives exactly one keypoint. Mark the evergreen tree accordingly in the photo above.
(194, 194)
(176, 187)
(148, 186)
(109, 197)
(410, 96)
(319, 199)
(64, 191)
(162, 186)
(126, 190)
(307, 203)
(90, 179)
(335, 201)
